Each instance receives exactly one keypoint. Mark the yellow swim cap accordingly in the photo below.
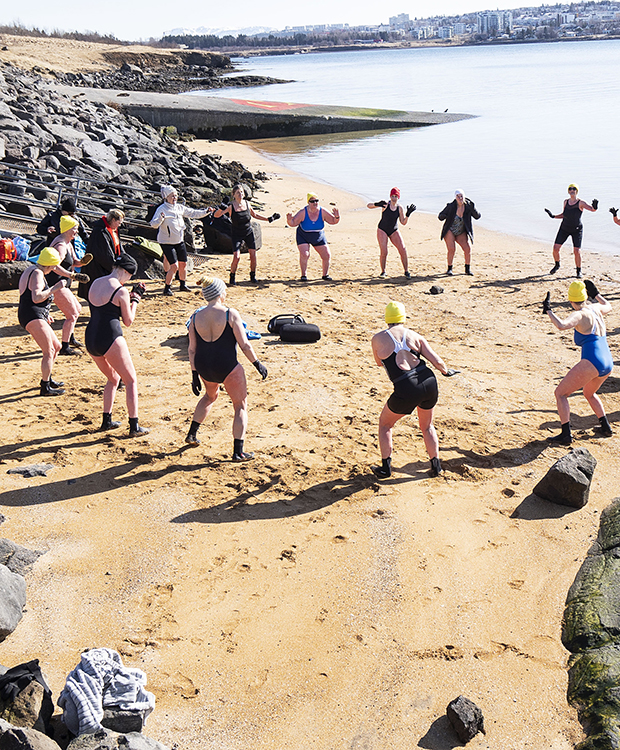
(49, 257)
(577, 292)
(67, 222)
(574, 185)
(395, 313)
(311, 195)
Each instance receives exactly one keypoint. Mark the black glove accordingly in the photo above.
(83, 278)
(591, 289)
(546, 307)
(614, 212)
(470, 203)
(410, 209)
(196, 383)
(262, 370)
(273, 217)
(450, 373)
(139, 289)
(595, 204)
(380, 204)
(549, 214)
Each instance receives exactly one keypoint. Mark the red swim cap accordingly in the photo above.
(395, 191)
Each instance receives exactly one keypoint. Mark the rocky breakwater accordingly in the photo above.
(170, 73)
(74, 137)
(591, 632)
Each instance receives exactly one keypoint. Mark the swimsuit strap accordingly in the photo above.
(113, 293)
(398, 345)
(598, 318)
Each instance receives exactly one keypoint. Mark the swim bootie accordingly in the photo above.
(382, 275)
(67, 351)
(74, 342)
(138, 431)
(327, 277)
(56, 383)
(555, 268)
(243, 456)
(436, 468)
(468, 271)
(380, 472)
(108, 424)
(450, 272)
(231, 280)
(304, 278)
(192, 439)
(561, 439)
(48, 390)
(407, 275)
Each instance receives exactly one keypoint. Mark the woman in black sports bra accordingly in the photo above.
(388, 230)
(400, 351)
(214, 332)
(110, 302)
(33, 313)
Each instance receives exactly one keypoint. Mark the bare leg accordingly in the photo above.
(47, 342)
(578, 377)
(556, 253)
(304, 256)
(236, 387)
(70, 308)
(109, 391)
(399, 244)
(204, 405)
(450, 244)
(577, 254)
(169, 276)
(589, 391)
(387, 420)
(235, 261)
(463, 241)
(252, 260)
(425, 417)
(119, 359)
(382, 239)
(323, 251)
(182, 270)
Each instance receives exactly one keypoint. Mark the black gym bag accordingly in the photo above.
(275, 324)
(300, 333)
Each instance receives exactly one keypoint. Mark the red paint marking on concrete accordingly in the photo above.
(269, 105)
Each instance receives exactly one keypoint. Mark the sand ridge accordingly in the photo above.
(295, 601)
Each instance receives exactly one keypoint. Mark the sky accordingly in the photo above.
(137, 20)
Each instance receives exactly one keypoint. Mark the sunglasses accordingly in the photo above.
(313, 200)
(572, 190)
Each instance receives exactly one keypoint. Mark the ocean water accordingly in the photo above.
(546, 115)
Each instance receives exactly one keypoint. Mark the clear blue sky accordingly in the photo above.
(141, 20)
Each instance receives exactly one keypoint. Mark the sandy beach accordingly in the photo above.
(295, 601)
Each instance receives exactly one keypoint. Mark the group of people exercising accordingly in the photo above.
(216, 331)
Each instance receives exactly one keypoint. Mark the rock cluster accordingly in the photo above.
(74, 137)
(591, 631)
(15, 561)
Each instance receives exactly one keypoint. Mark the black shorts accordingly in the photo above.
(249, 240)
(564, 234)
(417, 389)
(175, 252)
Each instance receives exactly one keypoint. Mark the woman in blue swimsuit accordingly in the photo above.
(310, 223)
(596, 361)
(214, 332)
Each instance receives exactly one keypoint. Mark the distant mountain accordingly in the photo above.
(202, 30)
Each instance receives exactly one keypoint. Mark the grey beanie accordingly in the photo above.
(212, 288)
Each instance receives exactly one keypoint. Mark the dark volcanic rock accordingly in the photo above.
(26, 739)
(12, 601)
(123, 721)
(568, 481)
(466, 718)
(17, 559)
(105, 739)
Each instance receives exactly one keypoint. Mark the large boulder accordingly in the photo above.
(12, 601)
(568, 481)
(32, 708)
(10, 273)
(26, 739)
(105, 739)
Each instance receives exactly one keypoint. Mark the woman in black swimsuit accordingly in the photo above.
(214, 332)
(388, 230)
(35, 299)
(109, 301)
(400, 351)
(571, 226)
(241, 215)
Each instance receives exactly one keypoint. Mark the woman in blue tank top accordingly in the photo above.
(596, 361)
(310, 223)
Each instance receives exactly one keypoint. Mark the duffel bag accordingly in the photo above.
(300, 333)
(7, 250)
(150, 247)
(276, 323)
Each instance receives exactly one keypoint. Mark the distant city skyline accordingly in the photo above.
(136, 21)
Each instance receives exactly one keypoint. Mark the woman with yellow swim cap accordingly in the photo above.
(310, 223)
(596, 361)
(400, 351)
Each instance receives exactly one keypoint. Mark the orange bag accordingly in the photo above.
(7, 250)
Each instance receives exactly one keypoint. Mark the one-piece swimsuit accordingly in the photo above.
(412, 388)
(104, 326)
(215, 360)
(28, 310)
(311, 232)
(389, 220)
(242, 228)
(594, 348)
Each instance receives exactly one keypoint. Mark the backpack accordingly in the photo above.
(22, 247)
(7, 250)
(278, 321)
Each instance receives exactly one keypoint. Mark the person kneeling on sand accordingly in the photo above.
(214, 332)
(401, 351)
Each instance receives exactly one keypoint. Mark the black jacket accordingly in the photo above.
(101, 245)
(53, 220)
(449, 213)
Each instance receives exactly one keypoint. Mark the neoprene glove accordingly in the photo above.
(549, 214)
(273, 217)
(380, 204)
(450, 373)
(410, 209)
(82, 277)
(546, 306)
(591, 289)
(262, 370)
(139, 289)
(595, 204)
(613, 211)
(196, 383)
(85, 260)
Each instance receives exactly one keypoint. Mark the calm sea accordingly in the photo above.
(547, 115)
